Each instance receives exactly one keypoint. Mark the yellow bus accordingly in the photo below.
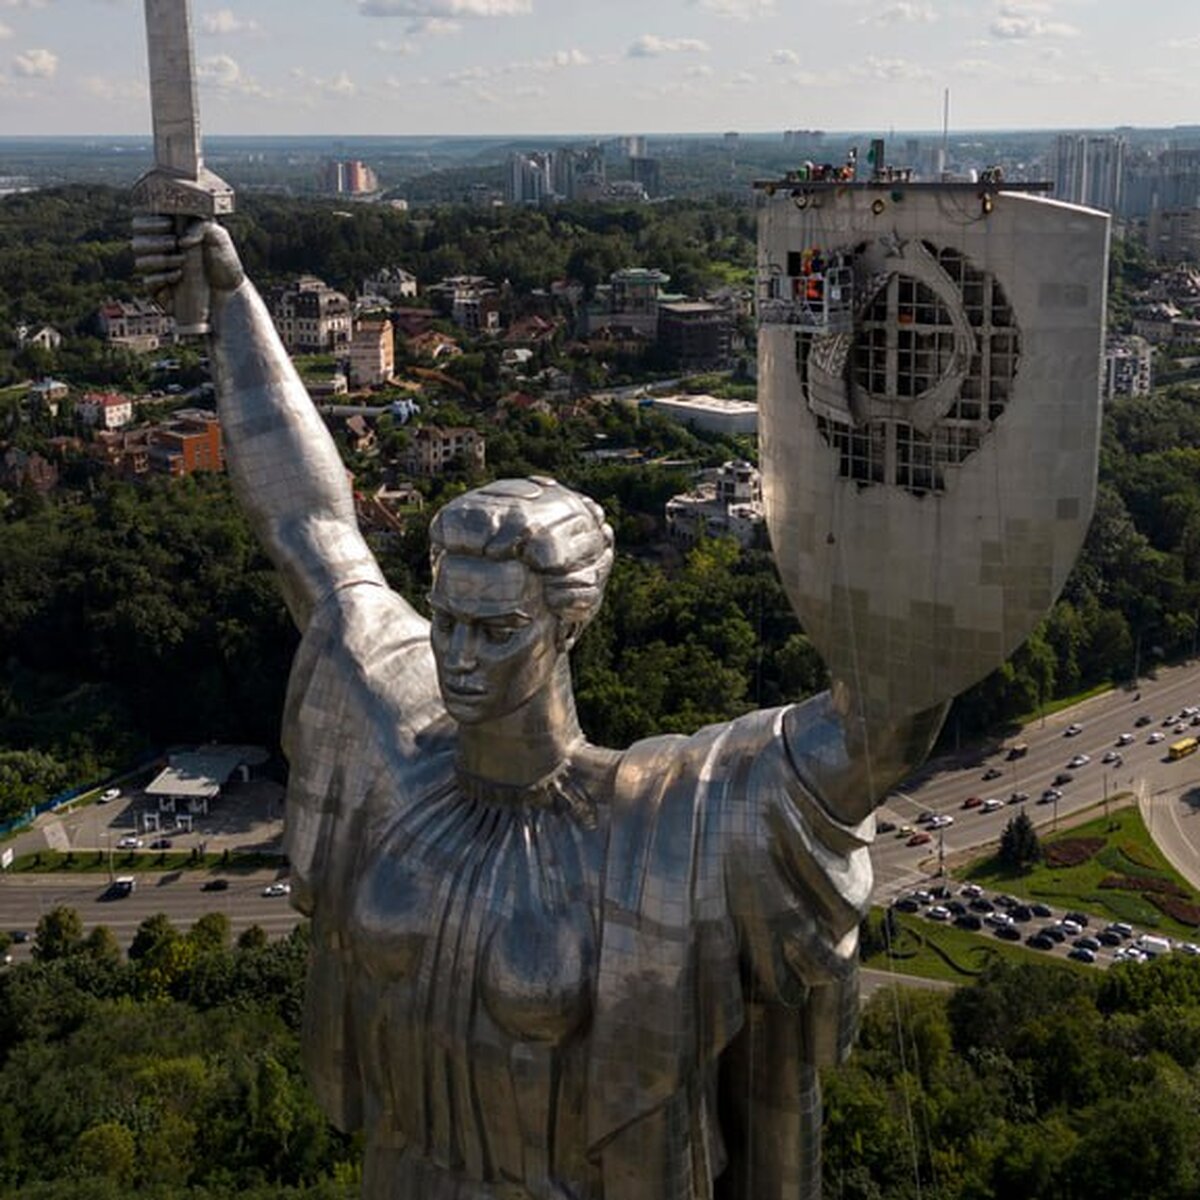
(1183, 747)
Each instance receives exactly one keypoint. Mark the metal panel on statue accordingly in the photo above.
(929, 391)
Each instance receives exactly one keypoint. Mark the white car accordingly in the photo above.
(109, 794)
(938, 912)
(1125, 739)
(1080, 760)
(1072, 730)
(277, 889)
(992, 804)
(1156, 737)
(972, 891)
(941, 821)
(129, 842)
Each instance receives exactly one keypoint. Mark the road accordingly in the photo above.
(943, 785)
(24, 898)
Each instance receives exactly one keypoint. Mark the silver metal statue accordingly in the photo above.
(541, 969)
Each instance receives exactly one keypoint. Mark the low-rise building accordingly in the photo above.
(432, 449)
(472, 302)
(724, 503)
(105, 410)
(138, 325)
(1128, 367)
(189, 442)
(21, 470)
(372, 354)
(629, 300)
(695, 335)
(312, 317)
(45, 337)
(392, 283)
(1173, 235)
(709, 413)
(47, 395)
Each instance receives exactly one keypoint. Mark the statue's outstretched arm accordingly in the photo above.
(285, 468)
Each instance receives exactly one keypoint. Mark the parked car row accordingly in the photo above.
(1008, 918)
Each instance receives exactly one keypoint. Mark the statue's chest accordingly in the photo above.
(478, 920)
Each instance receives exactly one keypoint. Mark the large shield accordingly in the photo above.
(929, 394)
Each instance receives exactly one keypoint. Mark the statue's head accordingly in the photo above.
(519, 568)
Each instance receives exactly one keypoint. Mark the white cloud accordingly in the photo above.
(1184, 43)
(699, 71)
(423, 10)
(5, 31)
(784, 58)
(739, 10)
(559, 61)
(401, 49)
(223, 73)
(903, 12)
(650, 45)
(743, 79)
(121, 91)
(339, 87)
(36, 64)
(889, 69)
(224, 22)
(433, 27)
(1024, 20)
(23, 3)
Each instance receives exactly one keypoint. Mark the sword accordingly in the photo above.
(179, 184)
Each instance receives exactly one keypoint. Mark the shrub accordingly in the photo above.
(1183, 911)
(1070, 852)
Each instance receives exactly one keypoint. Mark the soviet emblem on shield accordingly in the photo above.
(928, 368)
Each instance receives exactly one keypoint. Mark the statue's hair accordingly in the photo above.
(556, 532)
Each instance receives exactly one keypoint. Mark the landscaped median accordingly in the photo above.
(1108, 867)
(99, 862)
(918, 946)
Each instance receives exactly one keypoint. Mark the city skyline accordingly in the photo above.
(378, 67)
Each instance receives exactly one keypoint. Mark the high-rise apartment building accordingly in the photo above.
(1090, 170)
(350, 177)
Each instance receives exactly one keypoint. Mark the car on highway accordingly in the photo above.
(1156, 737)
(215, 885)
(1180, 728)
(277, 889)
(1063, 777)
(20, 936)
(161, 844)
(885, 827)
(992, 773)
(925, 817)
(919, 839)
(1143, 720)
(1080, 760)
(904, 831)
(1125, 739)
(129, 842)
(991, 804)
(1112, 758)
(120, 887)
(941, 821)
(1018, 798)
(973, 802)
(108, 795)
(1072, 730)
(1049, 796)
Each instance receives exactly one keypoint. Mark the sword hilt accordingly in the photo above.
(190, 301)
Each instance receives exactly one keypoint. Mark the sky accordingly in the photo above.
(611, 66)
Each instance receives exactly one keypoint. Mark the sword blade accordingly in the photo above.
(173, 88)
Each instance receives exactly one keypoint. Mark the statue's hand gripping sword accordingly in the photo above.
(179, 185)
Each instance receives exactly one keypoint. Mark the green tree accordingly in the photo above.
(59, 934)
(107, 1151)
(1019, 845)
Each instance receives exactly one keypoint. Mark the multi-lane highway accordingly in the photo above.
(1145, 771)
(23, 900)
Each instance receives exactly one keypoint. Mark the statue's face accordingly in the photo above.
(494, 639)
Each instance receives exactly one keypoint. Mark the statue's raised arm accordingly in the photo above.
(284, 465)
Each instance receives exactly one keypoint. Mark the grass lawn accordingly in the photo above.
(1053, 706)
(1128, 850)
(934, 951)
(129, 862)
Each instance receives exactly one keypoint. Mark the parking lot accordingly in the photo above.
(1055, 933)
